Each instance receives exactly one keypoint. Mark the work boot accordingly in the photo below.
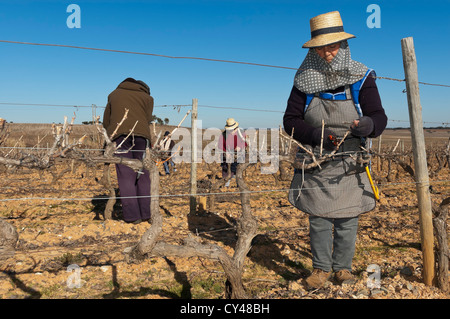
(317, 278)
(344, 276)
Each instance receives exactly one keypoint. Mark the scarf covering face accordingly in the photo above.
(317, 75)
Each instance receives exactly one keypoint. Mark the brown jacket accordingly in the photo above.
(134, 96)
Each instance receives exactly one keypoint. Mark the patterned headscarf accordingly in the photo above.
(317, 75)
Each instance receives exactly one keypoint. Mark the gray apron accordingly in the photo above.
(341, 189)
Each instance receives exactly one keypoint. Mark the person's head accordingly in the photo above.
(166, 133)
(328, 52)
(144, 85)
(327, 32)
(231, 125)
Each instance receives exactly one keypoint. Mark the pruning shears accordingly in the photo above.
(374, 187)
(334, 140)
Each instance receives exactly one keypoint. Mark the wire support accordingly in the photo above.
(188, 58)
(203, 106)
(200, 194)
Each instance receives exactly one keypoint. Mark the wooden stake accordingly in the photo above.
(379, 152)
(420, 159)
(321, 138)
(193, 199)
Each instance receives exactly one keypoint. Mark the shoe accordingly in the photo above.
(344, 276)
(317, 279)
(228, 183)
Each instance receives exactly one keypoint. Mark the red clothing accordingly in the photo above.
(231, 141)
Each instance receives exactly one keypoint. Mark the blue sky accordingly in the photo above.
(266, 32)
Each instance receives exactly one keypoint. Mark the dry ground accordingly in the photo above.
(61, 223)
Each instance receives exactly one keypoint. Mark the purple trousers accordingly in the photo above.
(134, 191)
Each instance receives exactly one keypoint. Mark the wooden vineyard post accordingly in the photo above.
(193, 188)
(379, 152)
(420, 159)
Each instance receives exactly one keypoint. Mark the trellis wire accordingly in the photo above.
(190, 105)
(188, 58)
(182, 105)
(197, 194)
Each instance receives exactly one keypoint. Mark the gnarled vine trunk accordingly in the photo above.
(8, 239)
(442, 255)
(232, 266)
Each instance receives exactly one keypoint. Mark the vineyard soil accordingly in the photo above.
(60, 223)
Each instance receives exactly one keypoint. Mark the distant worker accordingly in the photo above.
(231, 142)
(134, 187)
(166, 145)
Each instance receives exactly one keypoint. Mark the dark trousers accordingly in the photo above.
(224, 164)
(233, 169)
(166, 166)
(134, 192)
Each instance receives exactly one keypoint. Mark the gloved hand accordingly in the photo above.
(328, 143)
(362, 127)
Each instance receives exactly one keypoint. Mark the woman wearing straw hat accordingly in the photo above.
(232, 140)
(332, 88)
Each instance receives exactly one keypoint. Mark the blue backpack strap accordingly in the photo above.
(309, 98)
(356, 87)
(354, 90)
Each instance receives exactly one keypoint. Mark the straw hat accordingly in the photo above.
(231, 124)
(327, 29)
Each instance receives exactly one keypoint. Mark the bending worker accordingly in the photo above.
(134, 187)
